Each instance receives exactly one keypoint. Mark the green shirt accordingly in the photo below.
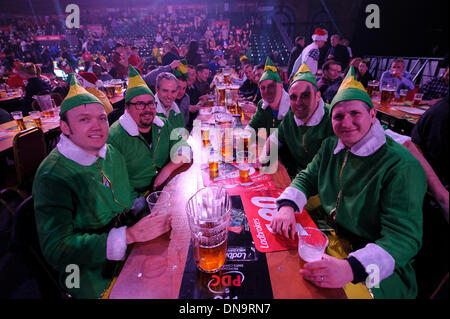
(264, 118)
(303, 141)
(144, 161)
(72, 202)
(380, 202)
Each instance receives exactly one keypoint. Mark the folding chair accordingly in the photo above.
(29, 151)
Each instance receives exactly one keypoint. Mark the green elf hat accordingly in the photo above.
(182, 70)
(270, 72)
(77, 96)
(136, 85)
(304, 74)
(351, 89)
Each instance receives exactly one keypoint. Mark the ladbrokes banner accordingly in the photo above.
(259, 208)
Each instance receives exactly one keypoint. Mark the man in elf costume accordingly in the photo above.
(144, 139)
(372, 188)
(274, 104)
(166, 94)
(307, 123)
(84, 209)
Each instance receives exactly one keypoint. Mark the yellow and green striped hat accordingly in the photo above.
(77, 96)
(351, 89)
(136, 85)
(304, 74)
(270, 72)
(182, 70)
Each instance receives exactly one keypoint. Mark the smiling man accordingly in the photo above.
(274, 103)
(307, 123)
(166, 94)
(372, 188)
(84, 209)
(144, 138)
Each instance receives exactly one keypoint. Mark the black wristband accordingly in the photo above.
(287, 202)
(359, 273)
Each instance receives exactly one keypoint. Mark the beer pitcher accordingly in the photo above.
(46, 103)
(208, 213)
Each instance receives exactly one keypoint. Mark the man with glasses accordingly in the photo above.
(144, 139)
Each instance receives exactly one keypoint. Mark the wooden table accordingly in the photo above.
(9, 129)
(155, 269)
(397, 120)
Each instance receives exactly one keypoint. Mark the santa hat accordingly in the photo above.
(77, 96)
(320, 35)
(91, 79)
(350, 90)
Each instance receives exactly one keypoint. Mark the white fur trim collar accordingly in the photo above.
(316, 118)
(369, 144)
(75, 153)
(130, 126)
(160, 108)
(285, 105)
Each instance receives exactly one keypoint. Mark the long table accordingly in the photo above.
(155, 269)
(9, 129)
(399, 117)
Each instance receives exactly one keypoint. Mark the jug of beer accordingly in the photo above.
(46, 104)
(208, 213)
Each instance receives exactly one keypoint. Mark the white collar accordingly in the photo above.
(75, 153)
(160, 108)
(285, 105)
(130, 126)
(316, 118)
(369, 144)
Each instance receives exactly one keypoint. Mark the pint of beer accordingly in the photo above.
(205, 135)
(417, 98)
(221, 94)
(402, 96)
(36, 117)
(372, 87)
(246, 135)
(244, 170)
(387, 94)
(208, 213)
(18, 117)
(213, 162)
(110, 90)
(227, 143)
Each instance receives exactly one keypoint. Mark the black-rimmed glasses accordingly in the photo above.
(142, 105)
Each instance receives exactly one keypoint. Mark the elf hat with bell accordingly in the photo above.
(136, 85)
(270, 72)
(304, 74)
(320, 35)
(77, 96)
(350, 90)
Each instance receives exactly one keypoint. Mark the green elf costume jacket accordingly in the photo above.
(144, 161)
(303, 140)
(76, 194)
(174, 116)
(373, 193)
(264, 116)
